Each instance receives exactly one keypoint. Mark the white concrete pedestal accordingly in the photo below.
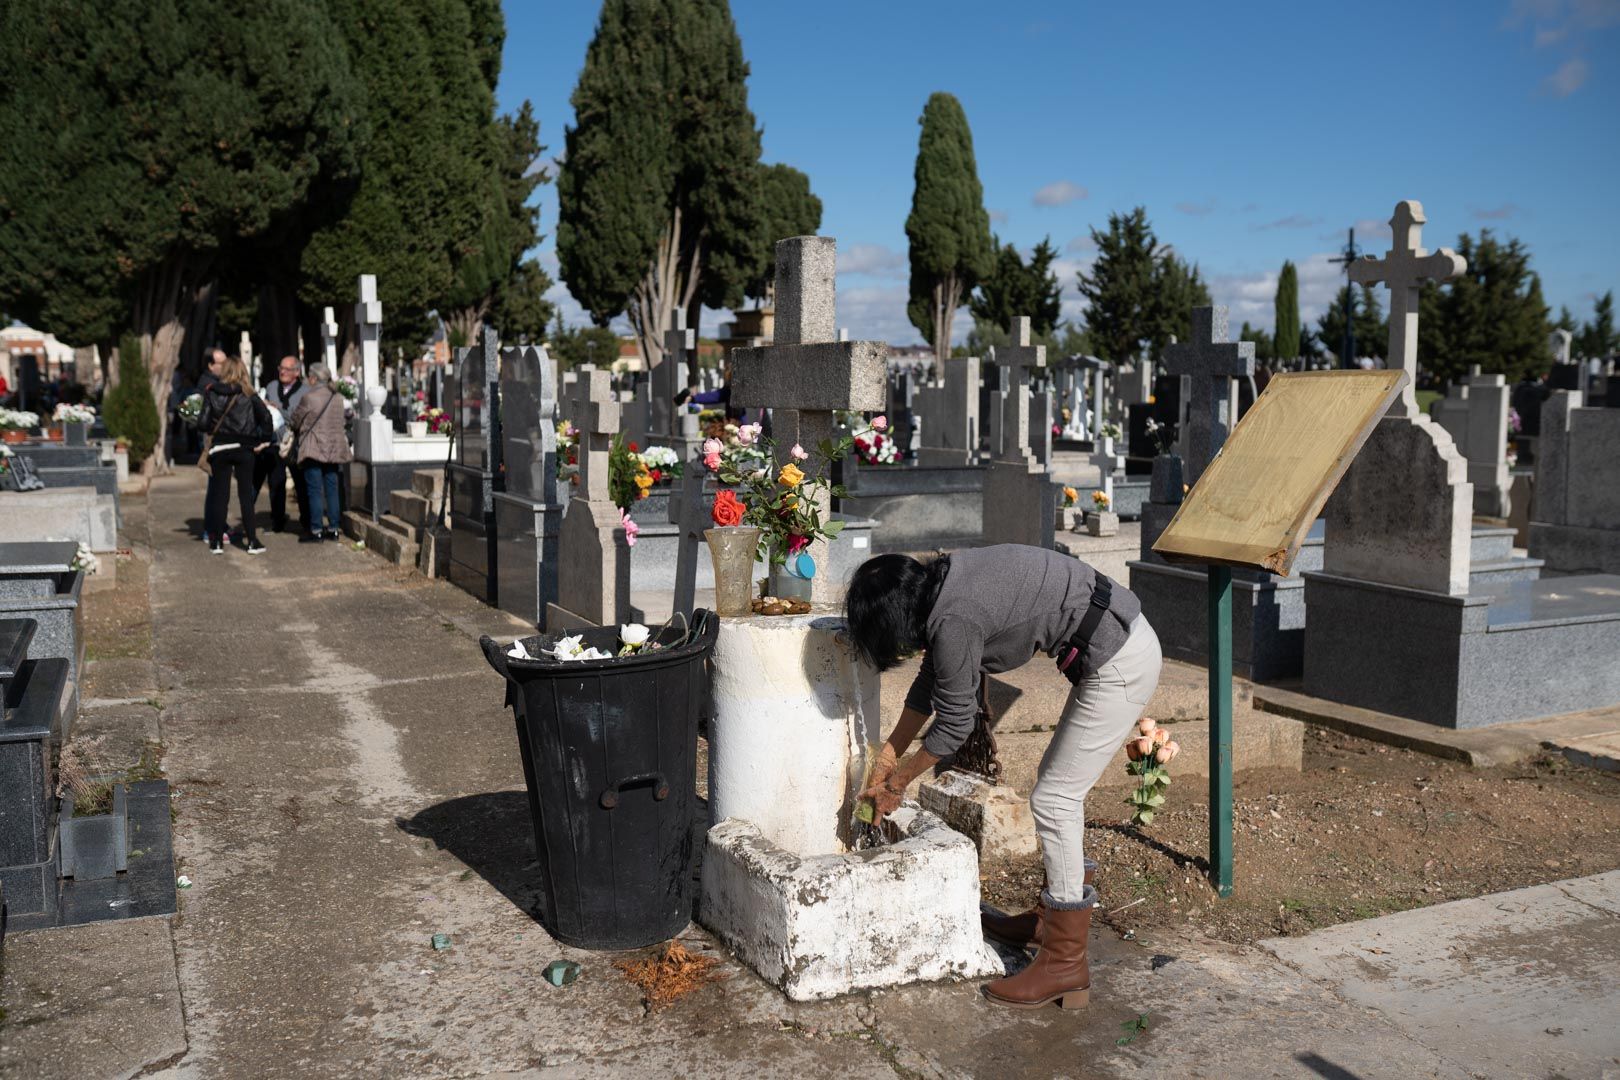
(795, 713)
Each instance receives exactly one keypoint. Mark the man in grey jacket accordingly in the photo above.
(282, 395)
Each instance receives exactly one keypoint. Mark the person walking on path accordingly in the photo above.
(988, 610)
(239, 426)
(323, 446)
(282, 394)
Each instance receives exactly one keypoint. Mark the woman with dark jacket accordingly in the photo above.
(323, 447)
(240, 424)
(989, 610)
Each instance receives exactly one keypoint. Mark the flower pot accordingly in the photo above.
(734, 549)
(13, 435)
(1066, 518)
(416, 429)
(53, 434)
(76, 434)
(1102, 523)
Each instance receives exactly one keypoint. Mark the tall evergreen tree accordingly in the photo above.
(1566, 320)
(1494, 315)
(1372, 329)
(660, 193)
(790, 209)
(1014, 287)
(166, 131)
(1597, 339)
(520, 310)
(1178, 288)
(1286, 327)
(1123, 309)
(948, 228)
(1265, 347)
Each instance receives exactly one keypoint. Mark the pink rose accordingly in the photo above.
(712, 446)
(711, 462)
(1160, 736)
(631, 529)
(1144, 747)
(797, 544)
(880, 423)
(798, 453)
(748, 433)
(1146, 725)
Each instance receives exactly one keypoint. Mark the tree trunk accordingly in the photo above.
(166, 300)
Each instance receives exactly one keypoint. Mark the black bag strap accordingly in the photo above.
(221, 421)
(1102, 595)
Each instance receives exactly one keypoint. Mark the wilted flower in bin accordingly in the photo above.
(634, 635)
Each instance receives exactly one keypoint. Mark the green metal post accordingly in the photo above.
(1220, 729)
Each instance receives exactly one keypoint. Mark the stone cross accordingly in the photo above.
(244, 350)
(670, 376)
(374, 435)
(594, 566)
(1404, 268)
(329, 333)
(1108, 461)
(1210, 362)
(1017, 359)
(689, 513)
(807, 374)
(1560, 342)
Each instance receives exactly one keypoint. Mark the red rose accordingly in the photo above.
(727, 510)
(634, 448)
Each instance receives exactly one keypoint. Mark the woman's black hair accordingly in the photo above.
(888, 604)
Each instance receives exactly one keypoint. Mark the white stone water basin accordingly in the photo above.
(823, 925)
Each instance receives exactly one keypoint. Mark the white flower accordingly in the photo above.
(568, 647)
(634, 635)
(517, 651)
(182, 882)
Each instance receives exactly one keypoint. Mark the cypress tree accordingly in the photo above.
(128, 408)
(1372, 329)
(660, 194)
(1285, 334)
(948, 228)
(790, 209)
(128, 171)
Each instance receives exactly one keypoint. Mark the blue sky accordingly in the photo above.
(1252, 133)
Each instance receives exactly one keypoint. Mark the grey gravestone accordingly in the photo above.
(949, 414)
(1575, 520)
(671, 375)
(689, 513)
(528, 513)
(1475, 413)
(1207, 365)
(475, 475)
(1403, 514)
(807, 375)
(1019, 497)
(593, 588)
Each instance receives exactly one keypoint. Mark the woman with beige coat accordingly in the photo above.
(322, 448)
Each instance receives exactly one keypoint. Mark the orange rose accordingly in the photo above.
(727, 510)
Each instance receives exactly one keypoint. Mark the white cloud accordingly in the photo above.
(1197, 209)
(1292, 221)
(998, 217)
(1252, 297)
(873, 259)
(1570, 77)
(1495, 213)
(1060, 193)
(1083, 242)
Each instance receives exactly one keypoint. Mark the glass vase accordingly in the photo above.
(785, 584)
(734, 549)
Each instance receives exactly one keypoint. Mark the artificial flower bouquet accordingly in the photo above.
(191, 408)
(18, 420)
(1070, 498)
(874, 447)
(1100, 502)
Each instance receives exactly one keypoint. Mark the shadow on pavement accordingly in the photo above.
(493, 835)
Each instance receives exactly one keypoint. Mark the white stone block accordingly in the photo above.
(995, 817)
(827, 925)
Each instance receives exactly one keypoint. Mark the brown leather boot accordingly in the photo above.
(1059, 971)
(1022, 930)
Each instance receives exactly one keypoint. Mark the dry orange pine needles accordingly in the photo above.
(673, 975)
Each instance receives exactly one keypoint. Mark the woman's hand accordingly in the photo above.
(885, 800)
(882, 768)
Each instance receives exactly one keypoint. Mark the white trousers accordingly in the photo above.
(1100, 712)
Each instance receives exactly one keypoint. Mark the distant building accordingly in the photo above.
(18, 340)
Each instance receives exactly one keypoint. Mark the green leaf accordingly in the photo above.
(1145, 817)
(1155, 801)
(832, 528)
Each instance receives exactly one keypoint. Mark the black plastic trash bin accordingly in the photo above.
(609, 751)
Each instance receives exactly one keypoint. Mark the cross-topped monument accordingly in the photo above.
(670, 376)
(1212, 360)
(594, 581)
(807, 374)
(329, 333)
(1018, 359)
(1404, 268)
(374, 437)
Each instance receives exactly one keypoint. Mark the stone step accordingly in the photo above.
(433, 556)
(1491, 544)
(15, 634)
(384, 539)
(419, 511)
(1498, 571)
(428, 483)
(402, 528)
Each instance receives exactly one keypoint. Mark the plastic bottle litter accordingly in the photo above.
(441, 942)
(561, 972)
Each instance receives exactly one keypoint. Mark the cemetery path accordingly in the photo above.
(347, 785)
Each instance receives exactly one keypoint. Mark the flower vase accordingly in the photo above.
(1065, 519)
(734, 549)
(786, 584)
(1102, 523)
(76, 434)
(416, 429)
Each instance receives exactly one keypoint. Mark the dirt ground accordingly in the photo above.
(1363, 830)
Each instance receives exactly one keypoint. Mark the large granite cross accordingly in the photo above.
(374, 434)
(1212, 360)
(1017, 359)
(329, 333)
(1404, 268)
(593, 582)
(807, 374)
(593, 410)
(670, 376)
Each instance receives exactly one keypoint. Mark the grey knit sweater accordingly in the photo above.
(1000, 606)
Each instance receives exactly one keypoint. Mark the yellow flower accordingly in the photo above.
(644, 480)
(790, 476)
(790, 501)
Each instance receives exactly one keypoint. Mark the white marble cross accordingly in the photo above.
(1560, 341)
(807, 374)
(244, 351)
(368, 318)
(1404, 268)
(1017, 359)
(329, 333)
(1211, 360)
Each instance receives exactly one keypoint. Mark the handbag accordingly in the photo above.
(284, 447)
(203, 462)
